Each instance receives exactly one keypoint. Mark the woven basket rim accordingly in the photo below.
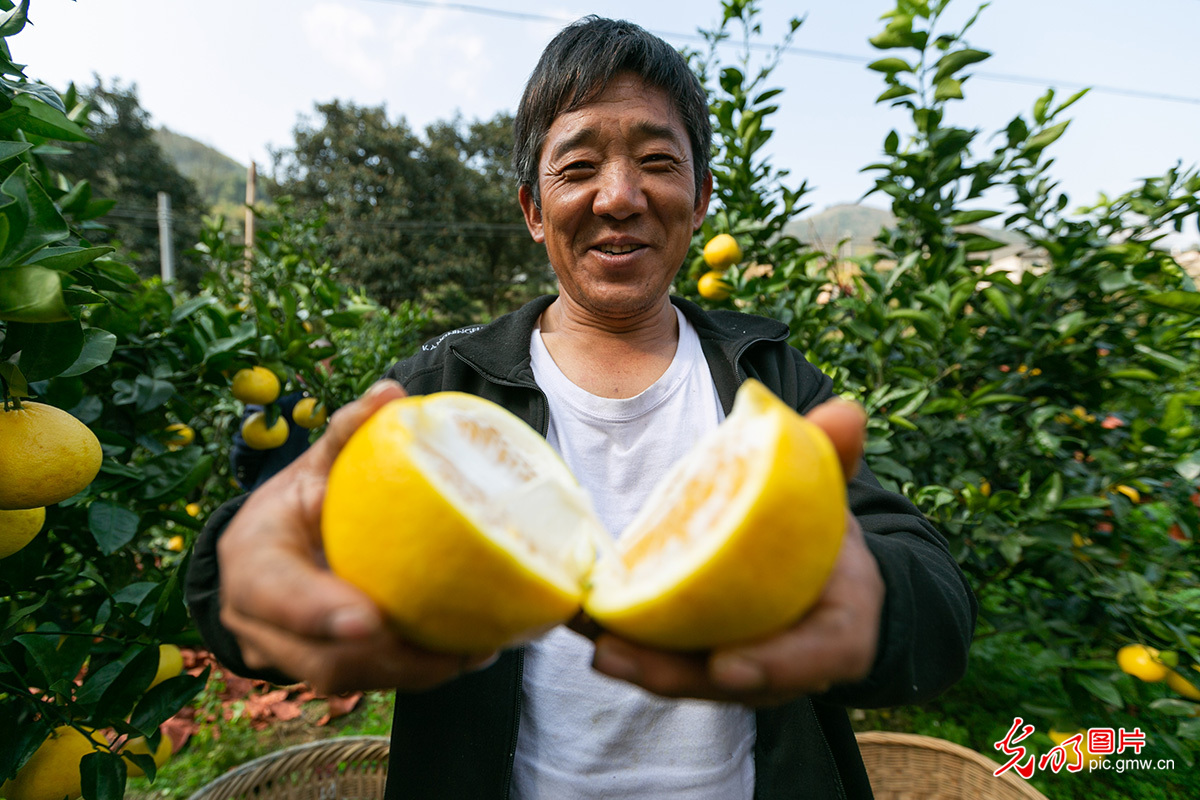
(333, 747)
(1008, 783)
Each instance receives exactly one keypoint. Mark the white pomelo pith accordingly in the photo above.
(488, 536)
(736, 542)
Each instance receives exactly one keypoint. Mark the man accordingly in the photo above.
(612, 142)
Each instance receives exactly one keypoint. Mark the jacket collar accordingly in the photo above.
(491, 348)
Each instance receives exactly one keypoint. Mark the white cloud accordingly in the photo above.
(348, 40)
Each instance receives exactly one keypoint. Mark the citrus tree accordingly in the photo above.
(1046, 421)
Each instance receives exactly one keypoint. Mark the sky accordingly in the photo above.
(238, 76)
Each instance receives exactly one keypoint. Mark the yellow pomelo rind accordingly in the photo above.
(452, 573)
(52, 773)
(46, 456)
(770, 549)
(18, 527)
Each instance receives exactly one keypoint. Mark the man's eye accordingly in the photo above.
(658, 159)
(577, 166)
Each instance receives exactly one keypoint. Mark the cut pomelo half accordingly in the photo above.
(469, 531)
(736, 542)
(460, 522)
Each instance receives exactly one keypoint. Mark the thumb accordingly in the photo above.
(845, 423)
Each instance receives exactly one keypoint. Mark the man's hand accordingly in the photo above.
(287, 610)
(833, 643)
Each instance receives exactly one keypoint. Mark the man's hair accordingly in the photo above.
(576, 67)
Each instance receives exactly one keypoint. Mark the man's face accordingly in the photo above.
(619, 201)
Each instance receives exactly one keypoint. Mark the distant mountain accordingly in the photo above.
(860, 224)
(220, 179)
(825, 229)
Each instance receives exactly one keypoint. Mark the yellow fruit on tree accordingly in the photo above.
(256, 385)
(1076, 751)
(307, 414)
(17, 528)
(46, 456)
(1142, 662)
(498, 542)
(193, 509)
(722, 252)
(713, 286)
(718, 554)
(1130, 492)
(181, 435)
(170, 664)
(52, 773)
(139, 746)
(175, 544)
(259, 437)
(495, 537)
(1182, 686)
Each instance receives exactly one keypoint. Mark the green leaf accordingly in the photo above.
(12, 149)
(164, 700)
(167, 471)
(899, 90)
(68, 259)
(112, 526)
(1046, 137)
(103, 776)
(1133, 374)
(890, 65)
(1041, 105)
(1083, 502)
(970, 217)
(951, 63)
(46, 348)
(981, 244)
(994, 399)
(948, 89)
(33, 219)
(13, 22)
(1179, 300)
(1102, 689)
(999, 303)
(42, 119)
(31, 294)
(98, 347)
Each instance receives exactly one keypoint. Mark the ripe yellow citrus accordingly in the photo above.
(256, 385)
(193, 509)
(259, 437)
(175, 544)
(53, 771)
(17, 528)
(181, 435)
(718, 554)
(138, 746)
(498, 542)
(713, 286)
(1076, 751)
(1142, 662)
(722, 252)
(307, 415)
(494, 535)
(46, 456)
(1182, 686)
(1130, 492)
(170, 664)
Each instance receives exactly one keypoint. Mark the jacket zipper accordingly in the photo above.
(512, 746)
(837, 775)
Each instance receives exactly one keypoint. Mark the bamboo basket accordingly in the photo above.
(341, 768)
(906, 766)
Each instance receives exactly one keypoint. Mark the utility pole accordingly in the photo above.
(251, 180)
(165, 250)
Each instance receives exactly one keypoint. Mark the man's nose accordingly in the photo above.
(620, 193)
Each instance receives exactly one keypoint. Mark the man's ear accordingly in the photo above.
(533, 214)
(702, 198)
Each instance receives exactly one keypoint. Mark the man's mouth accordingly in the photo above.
(618, 249)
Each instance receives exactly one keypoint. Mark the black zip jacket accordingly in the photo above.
(458, 740)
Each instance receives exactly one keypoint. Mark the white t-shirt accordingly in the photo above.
(583, 734)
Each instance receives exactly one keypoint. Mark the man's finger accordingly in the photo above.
(845, 423)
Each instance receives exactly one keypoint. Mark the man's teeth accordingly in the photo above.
(616, 250)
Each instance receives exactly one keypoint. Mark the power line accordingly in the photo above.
(801, 51)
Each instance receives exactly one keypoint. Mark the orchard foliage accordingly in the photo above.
(1046, 421)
